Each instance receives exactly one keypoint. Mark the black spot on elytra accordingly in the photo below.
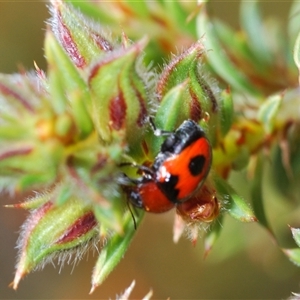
(168, 188)
(196, 165)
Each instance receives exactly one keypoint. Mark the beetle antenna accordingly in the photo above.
(132, 215)
(157, 131)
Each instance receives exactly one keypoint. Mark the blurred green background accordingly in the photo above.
(244, 264)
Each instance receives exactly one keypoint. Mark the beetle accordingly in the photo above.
(178, 171)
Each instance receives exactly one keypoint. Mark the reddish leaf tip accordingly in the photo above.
(253, 219)
(18, 276)
(17, 205)
(206, 251)
(94, 286)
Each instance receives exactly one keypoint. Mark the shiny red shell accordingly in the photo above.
(152, 198)
(179, 165)
(178, 171)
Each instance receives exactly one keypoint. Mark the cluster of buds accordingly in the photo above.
(67, 133)
(165, 30)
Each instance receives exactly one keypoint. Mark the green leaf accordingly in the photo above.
(203, 100)
(226, 111)
(268, 112)
(253, 25)
(285, 170)
(177, 12)
(31, 203)
(237, 46)
(296, 235)
(140, 8)
(293, 255)
(257, 194)
(242, 158)
(172, 109)
(30, 181)
(13, 130)
(293, 22)
(66, 85)
(237, 207)
(93, 11)
(114, 250)
(63, 194)
(110, 217)
(170, 113)
(297, 52)
(218, 59)
(29, 163)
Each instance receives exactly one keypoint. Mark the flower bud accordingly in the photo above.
(51, 229)
(68, 89)
(186, 92)
(82, 39)
(180, 72)
(119, 96)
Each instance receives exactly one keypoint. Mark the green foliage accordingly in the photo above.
(67, 132)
